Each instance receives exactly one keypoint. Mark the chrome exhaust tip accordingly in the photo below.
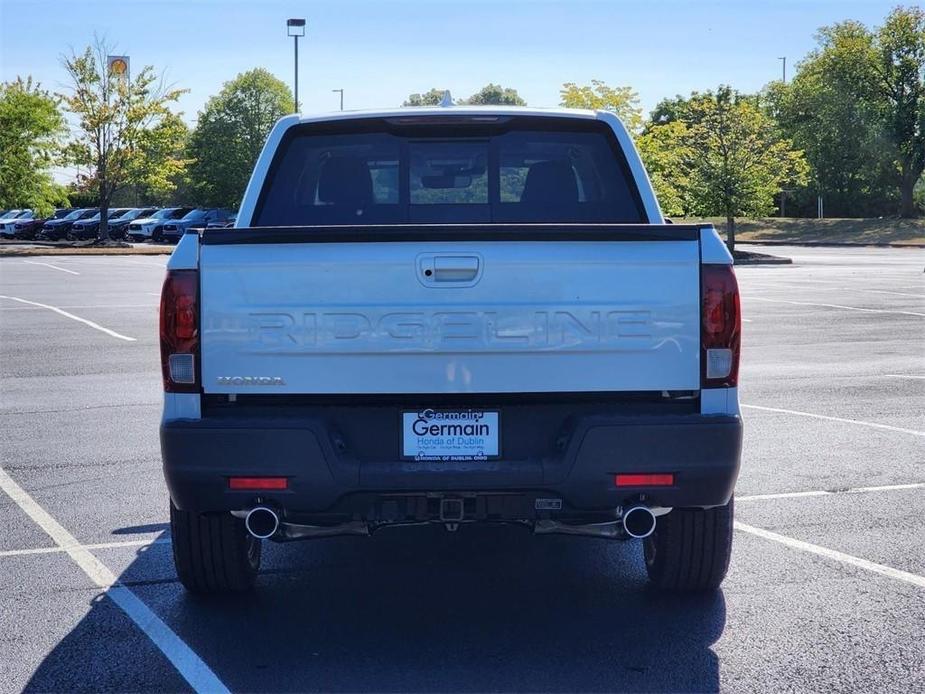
(261, 522)
(638, 522)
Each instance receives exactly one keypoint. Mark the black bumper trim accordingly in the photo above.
(703, 451)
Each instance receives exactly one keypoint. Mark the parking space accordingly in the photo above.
(833, 383)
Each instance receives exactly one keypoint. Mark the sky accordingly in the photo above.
(379, 52)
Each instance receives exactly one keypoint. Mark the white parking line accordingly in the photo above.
(872, 425)
(98, 545)
(53, 267)
(147, 263)
(36, 308)
(93, 325)
(830, 492)
(847, 308)
(788, 285)
(881, 569)
(193, 669)
(903, 376)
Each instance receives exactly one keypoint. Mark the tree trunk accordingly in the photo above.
(730, 233)
(103, 231)
(907, 202)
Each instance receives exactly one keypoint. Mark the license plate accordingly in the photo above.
(450, 435)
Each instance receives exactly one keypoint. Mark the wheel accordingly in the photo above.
(213, 553)
(690, 549)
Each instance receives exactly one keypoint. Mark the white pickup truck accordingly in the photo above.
(450, 315)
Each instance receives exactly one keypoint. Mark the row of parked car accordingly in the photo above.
(136, 223)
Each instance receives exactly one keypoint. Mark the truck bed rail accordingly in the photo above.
(383, 233)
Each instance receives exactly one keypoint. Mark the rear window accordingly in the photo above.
(526, 170)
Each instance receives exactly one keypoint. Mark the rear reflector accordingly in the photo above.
(182, 368)
(251, 483)
(658, 479)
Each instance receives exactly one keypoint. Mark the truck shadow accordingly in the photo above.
(417, 609)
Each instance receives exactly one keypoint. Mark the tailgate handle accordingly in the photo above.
(455, 268)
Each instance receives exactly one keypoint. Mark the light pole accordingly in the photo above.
(296, 28)
(783, 60)
(341, 97)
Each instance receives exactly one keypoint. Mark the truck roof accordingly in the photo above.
(448, 111)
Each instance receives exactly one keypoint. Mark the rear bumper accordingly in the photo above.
(329, 473)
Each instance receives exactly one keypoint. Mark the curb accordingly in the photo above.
(833, 244)
(769, 260)
(26, 249)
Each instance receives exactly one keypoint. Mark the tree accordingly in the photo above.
(123, 132)
(736, 159)
(884, 71)
(622, 101)
(665, 152)
(900, 86)
(434, 97)
(166, 143)
(231, 132)
(497, 95)
(31, 127)
(821, 116)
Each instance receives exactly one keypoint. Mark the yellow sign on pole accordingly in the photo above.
(118, 66)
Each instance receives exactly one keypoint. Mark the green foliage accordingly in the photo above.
(231, 132)
(820, 116)
(489, 94)
(126, 134)
(665, 152)
(497, 95)
(79, 196)
(433, 97)
(598, 96)
(679, 108)
(165, 143)
(719, 155)
(738, 160)
(857, 106)
(899, 90)
(31, 127)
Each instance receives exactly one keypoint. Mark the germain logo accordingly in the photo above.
(250, 381)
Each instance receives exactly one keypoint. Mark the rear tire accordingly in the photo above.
(213, 553)
(690, 549)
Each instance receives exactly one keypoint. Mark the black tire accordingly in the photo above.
(690, 549)
(213, 553)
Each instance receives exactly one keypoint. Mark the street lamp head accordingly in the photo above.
(295, 27)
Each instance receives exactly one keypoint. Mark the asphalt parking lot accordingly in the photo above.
(826, 589)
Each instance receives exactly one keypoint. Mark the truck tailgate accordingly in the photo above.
(450, 316)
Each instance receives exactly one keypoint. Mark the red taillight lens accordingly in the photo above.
(258, 483)
(721, 327)
(656, 479)
(180, 331)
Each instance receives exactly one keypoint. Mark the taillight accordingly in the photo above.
(180, 331)
(720, 328)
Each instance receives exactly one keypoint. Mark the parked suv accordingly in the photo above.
(90, 228)
(57, 229)
(118, 226)
(198, 218)
(453, 316)
(144, 228)
(8, 223)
